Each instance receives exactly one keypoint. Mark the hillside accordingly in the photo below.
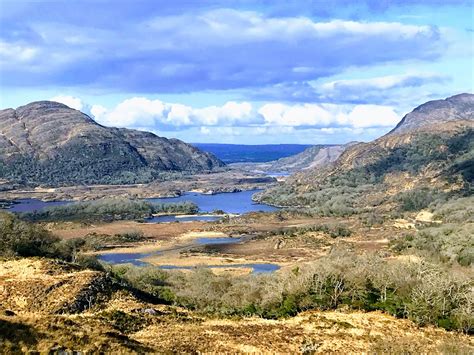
(438, 115)
(423, 151)
(49, 143)
(316, 156)
(57, 307)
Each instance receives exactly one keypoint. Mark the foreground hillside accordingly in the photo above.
(49, 143)
(55, 306)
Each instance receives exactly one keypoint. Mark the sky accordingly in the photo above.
(245, 71)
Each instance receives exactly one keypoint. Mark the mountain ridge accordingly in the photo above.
(316, 156)
(454, 108)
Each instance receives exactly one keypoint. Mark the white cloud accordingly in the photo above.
(364, 116)
(296, 115)
(272, 118)
(11, 53)
(216, 49)
(98, 111)
(142, 112)
(382, 82)
(328, 115)
(206, 131)
(231, 112)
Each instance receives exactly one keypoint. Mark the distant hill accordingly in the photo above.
(313, 157)
(430, 150)
(242, 153)
(49, 143)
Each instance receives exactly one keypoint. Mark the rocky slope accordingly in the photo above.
(48, 142)
(438, 115)
(317, 156)
(313, 157)
(443, 118)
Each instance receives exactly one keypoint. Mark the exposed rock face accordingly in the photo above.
(48, 142)
(438, 114)
(313, 157)
(317, 156)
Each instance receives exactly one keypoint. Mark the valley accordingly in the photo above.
(236, 177)
(370, 249)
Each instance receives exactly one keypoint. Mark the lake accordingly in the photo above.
(31, 204)
(181, 218)
(230, 202)
(136, 258)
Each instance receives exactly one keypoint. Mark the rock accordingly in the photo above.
(150, 311)
(9, 313)
(438, 112)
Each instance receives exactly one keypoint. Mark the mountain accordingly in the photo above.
(49, 143)
(432, 148)
(313, 157)
(438, 115)
(316, 156)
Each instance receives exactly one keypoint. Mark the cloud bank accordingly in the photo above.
(143, 113)
(217, 49)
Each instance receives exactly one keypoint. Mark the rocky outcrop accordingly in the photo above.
(438, 115)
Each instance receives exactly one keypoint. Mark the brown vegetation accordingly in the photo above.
(124, 323)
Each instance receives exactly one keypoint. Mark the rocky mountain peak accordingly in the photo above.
(438, 114)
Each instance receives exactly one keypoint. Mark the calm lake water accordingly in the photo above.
(256, 268)
(31, 204)
(178, 218)
(136, 258)
(230, 202)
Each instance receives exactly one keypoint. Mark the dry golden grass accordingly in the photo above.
(121, 323)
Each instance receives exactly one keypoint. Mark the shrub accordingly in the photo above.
(334, 230)
(449, 242)
(19, 238)
(417, 199)
(124, 322)
(423, 292)
(149, 280)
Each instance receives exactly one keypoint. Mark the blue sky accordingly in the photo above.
(238, 71)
